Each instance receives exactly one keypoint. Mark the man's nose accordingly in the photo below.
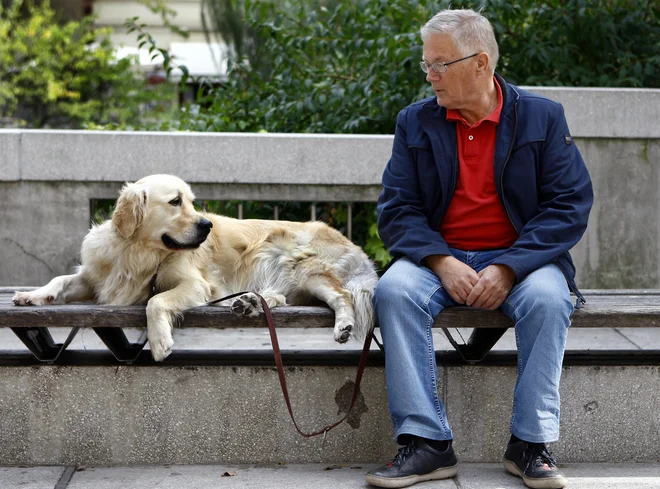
(432, 75)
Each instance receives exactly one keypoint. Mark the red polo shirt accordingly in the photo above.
(476, 219)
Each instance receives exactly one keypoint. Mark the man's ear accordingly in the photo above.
(130, 209)
(482, 62)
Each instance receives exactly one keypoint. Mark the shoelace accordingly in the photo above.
(403, 454)
(540, 455)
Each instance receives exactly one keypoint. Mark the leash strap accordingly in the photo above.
(280, 367)
(227, 297)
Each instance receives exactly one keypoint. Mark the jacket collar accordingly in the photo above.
(442, 133)
(506, 130)
(431, 111)
(510, 96)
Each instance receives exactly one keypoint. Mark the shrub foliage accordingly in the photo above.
(64, 76)
(348, 66)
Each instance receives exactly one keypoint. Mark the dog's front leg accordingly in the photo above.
(60, 290)
(165, 308)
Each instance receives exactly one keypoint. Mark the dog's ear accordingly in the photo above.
(130, 209)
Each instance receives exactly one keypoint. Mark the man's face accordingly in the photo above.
(455, 88)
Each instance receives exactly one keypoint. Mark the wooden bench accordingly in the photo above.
(604, 309)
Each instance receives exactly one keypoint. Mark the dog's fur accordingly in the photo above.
(197, 257)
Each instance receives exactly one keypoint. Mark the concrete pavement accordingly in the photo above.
(309, 476)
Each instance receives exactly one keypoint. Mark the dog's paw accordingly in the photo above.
(343, 331)
(161, 346)
(247, 305)
(32, 299)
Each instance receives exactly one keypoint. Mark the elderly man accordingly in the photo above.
(482, 198)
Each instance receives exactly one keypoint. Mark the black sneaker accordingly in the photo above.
(415, 462)
(534, 464)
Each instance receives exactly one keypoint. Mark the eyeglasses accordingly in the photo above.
(439, 66)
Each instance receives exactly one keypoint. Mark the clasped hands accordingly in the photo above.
(486, 290)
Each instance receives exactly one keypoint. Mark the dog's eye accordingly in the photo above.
(175, 202)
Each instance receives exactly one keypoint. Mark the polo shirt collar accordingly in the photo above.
(494, 116)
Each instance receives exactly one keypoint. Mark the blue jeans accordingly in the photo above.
(407, 299)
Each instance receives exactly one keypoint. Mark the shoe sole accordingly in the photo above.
(557, 482)
(439, 474)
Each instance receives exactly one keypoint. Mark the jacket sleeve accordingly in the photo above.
(403, 222)
(565, 199)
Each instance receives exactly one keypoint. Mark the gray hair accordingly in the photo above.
(470, 31)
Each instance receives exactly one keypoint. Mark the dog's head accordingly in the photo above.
(158, 210)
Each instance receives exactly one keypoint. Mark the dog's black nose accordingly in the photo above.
(204, 224)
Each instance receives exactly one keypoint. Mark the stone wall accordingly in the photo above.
(47, 179)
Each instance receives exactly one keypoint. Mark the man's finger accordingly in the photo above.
(490, 303)
(455, 294)
(495, 302)
(483, 299)
(457, 297)
(474, 293)
(486, 297)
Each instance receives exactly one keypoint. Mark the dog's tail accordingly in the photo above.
(362, 285)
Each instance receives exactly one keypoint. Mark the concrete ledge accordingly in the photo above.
(203, 157)
(10, 149)
(607, 112)
(198, 415)
(307, 159)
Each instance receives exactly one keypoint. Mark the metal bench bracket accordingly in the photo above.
(122, 349)
(479, 345)
(40, 342)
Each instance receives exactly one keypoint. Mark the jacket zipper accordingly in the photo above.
(453, 184)
(580, 298)
(457, 168)
(513, 140)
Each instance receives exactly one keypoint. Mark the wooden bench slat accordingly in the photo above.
(601, 311)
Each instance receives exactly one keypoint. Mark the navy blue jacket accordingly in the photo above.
(540, 177)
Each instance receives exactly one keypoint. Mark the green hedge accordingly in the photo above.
(351, 66)
(66, 76)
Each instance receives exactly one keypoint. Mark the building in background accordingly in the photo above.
(201, 58)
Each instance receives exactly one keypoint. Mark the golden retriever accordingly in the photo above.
(157, 249)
